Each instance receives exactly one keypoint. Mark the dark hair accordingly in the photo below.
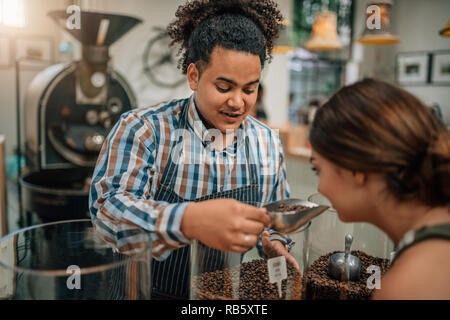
(373, 126)
(243, 25)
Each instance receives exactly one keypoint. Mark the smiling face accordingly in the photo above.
(227, 89)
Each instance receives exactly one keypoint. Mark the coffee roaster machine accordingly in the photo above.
(69, 110)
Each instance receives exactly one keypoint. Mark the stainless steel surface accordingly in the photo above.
(39, 138)
(61, 102)
(345, 266)
(290, 221)
(94, 143)
(44, 82)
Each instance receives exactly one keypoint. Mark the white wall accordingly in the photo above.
(276, 77)
(417, 24)
(37, 25)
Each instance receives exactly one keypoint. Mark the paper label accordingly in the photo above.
(277, 271)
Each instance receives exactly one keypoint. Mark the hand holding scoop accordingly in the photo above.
(286, 220)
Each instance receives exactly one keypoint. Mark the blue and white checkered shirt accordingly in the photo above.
(133, 158)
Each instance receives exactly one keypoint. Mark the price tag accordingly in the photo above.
(277, 271)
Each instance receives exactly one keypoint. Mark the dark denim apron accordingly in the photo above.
(171, 277)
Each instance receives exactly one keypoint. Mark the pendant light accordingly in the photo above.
(446, 31)
(324, 31)
(378, 24)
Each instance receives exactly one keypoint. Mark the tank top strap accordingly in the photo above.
(441, 231)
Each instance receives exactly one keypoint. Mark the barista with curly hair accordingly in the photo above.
(199, 168)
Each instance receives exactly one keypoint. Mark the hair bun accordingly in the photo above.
(435, 170)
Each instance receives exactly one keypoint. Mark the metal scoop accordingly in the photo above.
(345, 266)
(290, 221)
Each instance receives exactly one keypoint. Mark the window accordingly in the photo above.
(313, 79)
(12, 13)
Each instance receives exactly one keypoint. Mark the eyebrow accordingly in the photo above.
(311, 159)
(234, 82)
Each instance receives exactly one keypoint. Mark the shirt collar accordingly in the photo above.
(197, 125)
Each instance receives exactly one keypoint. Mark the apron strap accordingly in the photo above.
(171, 167)
(251, 162)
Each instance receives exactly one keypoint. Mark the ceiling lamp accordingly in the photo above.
(378, 24)
(446, 31)
(324, 32)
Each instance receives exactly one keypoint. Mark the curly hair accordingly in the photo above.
(244, 25)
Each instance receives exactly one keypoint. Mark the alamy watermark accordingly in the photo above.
(374, 281)
(74, 280)
(187, 148)
(74, 20)
(374, 20)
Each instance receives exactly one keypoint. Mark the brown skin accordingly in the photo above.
(421, 271)
(224, 223)
(228, 84)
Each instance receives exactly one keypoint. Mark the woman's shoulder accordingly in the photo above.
(421, 272)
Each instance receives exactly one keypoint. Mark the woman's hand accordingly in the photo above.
(224, 224)
(275, 249)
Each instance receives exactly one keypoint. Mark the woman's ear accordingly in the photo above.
(193, 76)
(360, 178)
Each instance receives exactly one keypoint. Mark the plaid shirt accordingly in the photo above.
(133, 158)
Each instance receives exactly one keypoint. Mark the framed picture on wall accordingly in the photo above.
(5, 52)
(413, 68)
(34, 50)
(441, 68)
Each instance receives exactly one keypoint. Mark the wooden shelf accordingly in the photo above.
(295, 140)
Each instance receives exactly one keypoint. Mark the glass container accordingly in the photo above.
(326, 237)
(71, 260)
(219, 275)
